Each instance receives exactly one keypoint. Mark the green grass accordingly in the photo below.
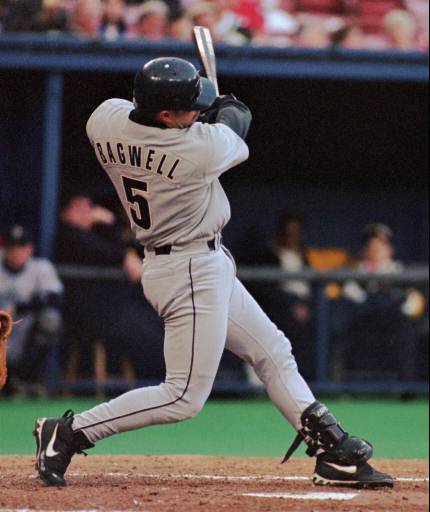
(244, 428)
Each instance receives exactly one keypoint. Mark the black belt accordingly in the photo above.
(165, 250)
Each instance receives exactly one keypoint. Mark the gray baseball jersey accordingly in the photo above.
(167, 180)
(39, 277)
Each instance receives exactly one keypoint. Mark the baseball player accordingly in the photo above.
(165, 161)
(31, 290)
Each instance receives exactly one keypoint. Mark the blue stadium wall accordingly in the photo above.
(341, 137)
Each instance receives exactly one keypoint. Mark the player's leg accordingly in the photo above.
(254, 338)
(193, 298)
(16, 350)
(45, 334)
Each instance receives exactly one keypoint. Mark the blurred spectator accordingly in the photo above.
(370, 13)
(31, 290)
(378, 325)
(236, 21)
(312, 34)
(105, 311)
(205, 14)
(291, 253)
(249, 13)
(401, 29)
(181, 27)
(377, 250)
(225, 25)
(278, 23)
(20, 15)
(86, 18)
(355, 24)
(294, 256)
(175, 8)
(113, 23)
(349, 35)
(153, 21)
(89, 235)
(297, 316)
(52, 17)
(290, 303)
(420, 10)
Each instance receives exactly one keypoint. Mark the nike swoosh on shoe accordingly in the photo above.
(50, 451)
(38, 434)
(351, 470)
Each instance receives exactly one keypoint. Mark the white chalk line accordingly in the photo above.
(310, 496)
(222, 478)
(416, 480)
(229, 478)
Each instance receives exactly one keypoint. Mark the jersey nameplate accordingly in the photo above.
(140, 157)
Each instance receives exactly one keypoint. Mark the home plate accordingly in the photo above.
(318, 496)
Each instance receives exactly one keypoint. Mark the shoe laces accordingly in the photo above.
(296, 443)
(69, 416)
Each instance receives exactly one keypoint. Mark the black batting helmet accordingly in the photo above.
(170, 83)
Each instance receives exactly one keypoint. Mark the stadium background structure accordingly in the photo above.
(51, 72)
(354, 139)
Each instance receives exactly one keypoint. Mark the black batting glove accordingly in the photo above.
(210, 115)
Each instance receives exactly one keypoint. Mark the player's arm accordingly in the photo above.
(39, 301)
(225, 150)
(103, 114)
(231, 112)
(48, 292)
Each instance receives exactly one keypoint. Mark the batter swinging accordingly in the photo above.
(165, 160)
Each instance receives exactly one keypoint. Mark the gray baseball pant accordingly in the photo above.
(205, 309)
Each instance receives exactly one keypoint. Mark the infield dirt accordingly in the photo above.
(204, 484)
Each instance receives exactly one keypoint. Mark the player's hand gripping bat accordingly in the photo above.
(205, 47)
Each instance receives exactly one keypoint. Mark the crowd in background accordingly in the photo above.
(105, 326)
(353, 24)
(377, 327)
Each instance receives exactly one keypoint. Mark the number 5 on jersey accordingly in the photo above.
(139, 208)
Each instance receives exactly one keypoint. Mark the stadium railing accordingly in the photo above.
(61, 53)
(417, 276)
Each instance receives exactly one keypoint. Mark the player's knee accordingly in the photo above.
(184, 410)
(189, 404)
(191, 407)
(49, 321)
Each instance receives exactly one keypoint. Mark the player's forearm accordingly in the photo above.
(41, 301)
(236, 115)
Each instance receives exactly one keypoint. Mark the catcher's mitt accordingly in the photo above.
(6, 325)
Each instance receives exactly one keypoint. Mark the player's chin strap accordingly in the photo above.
(323, 434)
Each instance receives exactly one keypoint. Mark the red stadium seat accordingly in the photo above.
(320, 6)
(372, 13)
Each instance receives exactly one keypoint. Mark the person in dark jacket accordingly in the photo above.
(106, 310)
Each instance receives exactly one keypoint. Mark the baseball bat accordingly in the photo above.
(206, 52)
